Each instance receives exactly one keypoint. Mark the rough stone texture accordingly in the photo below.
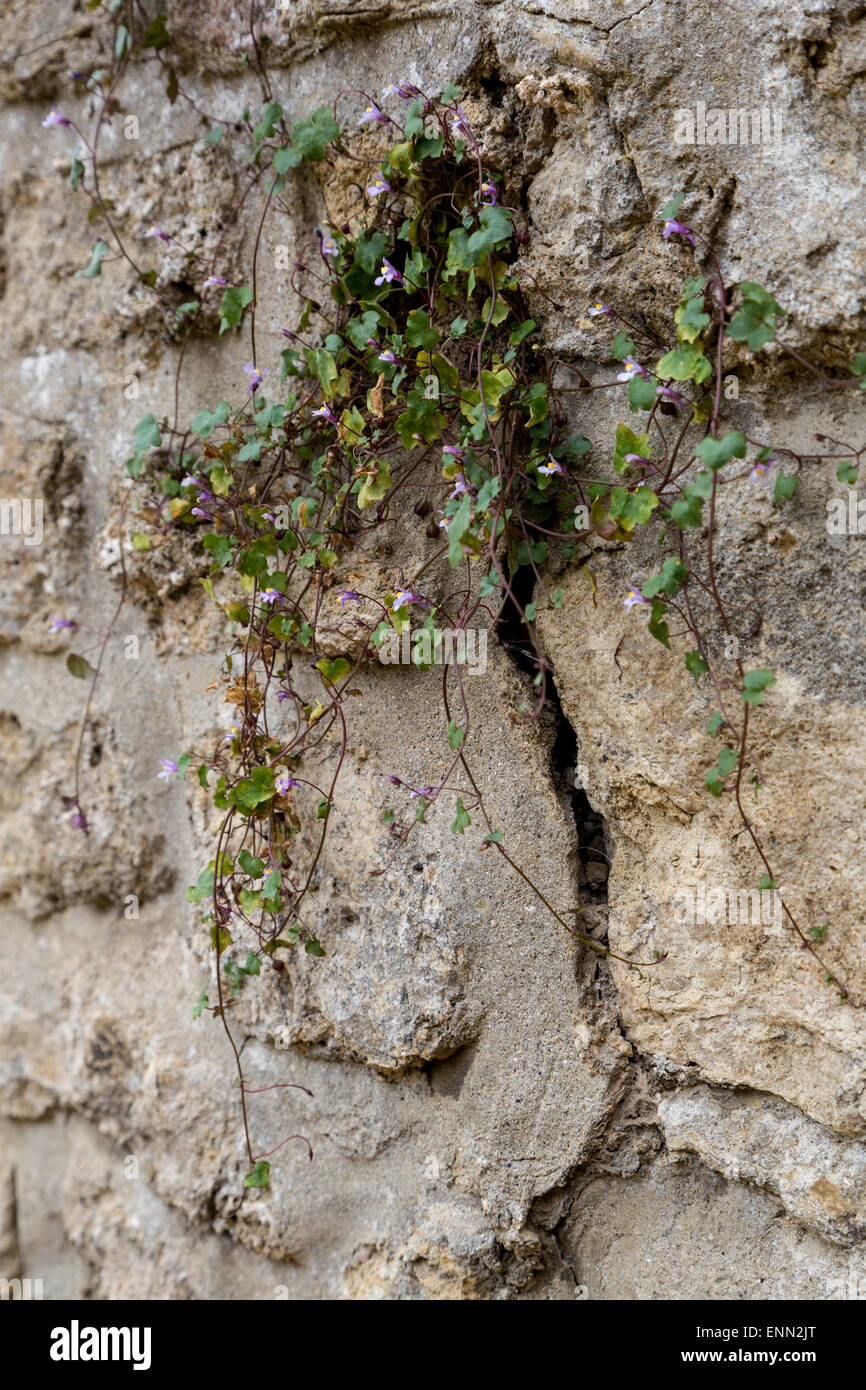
(495, 1115)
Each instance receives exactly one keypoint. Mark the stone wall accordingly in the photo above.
(496, 1113)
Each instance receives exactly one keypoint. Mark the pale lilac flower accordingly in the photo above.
(213, 280)
(666, 393)
(633, 598)
(325, 413)
(55, 118)
(389, 356)
(271, 596)
(372, 113)
(345, 596)
(630, 369)
(460, 486)
(199, 511)
(255, 375)
(488, 193)
(403, 598)
(395, 781)
(329, 246)
(553, 466)
(455, 451)
(674, 228)
(389, 275)
(58, 624)
(420, 791)
(637, 461)
(190, 481)
(379, 185)
(406, 90)
(283, 695)
(460, 126)
(760, 471)
(168, 769)
(600, 308)
(283, 783)
(156, 231)
(78, 820)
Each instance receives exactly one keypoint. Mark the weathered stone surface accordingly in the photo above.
(745, 1135)
(490, 1105)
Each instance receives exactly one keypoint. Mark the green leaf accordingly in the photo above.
(369, 251)
(78, 666)
(755, 322)
(359, 329)
(754, 685)
(285, 158)
(818, 933)
(627, 442)
(455, 735)
(202, 1004)
(657, 626)
(768, 884)
(716, 452)
(314, 947)
(673, 576)
(235, 299)
(685, 363)
(714, 723)
(260, 1175)
(846, 471)
(312, 136)
(786, 486)
(672, 208)
(462, 818)
(464, 251)
(146, 435)
(97, 256)
(251, 865)
(418, 331)
(457, 527)
(333, 671)
(622, 346)
(695, 665)
(641, 393)
(632, 509)
(372, 490)
(522, 331)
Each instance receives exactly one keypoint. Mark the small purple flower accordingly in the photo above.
(156, 231)
(372, 114)
(200, 511)
(674, 228)
(283, 695)
(58, 624)
(633, 598)
(420, 791)
(55, 118)
(389, 275)
(389, 356)
(460, 126)
(345, 596)
(395, 781)
(325, 413)
(283, 784)
(405, 90)
(168, 769)
(760, 470)
(379, 185)
(630, 369)
(600, 308)
(271, 596)
(255, 376)
(454, 451)
(638, 461)
(190, 481)
(488, 193)
(213, 280)
(78, 820)
(460, 486)
(551, 467)
(666, 393)
(403, 598)
(329, 246)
